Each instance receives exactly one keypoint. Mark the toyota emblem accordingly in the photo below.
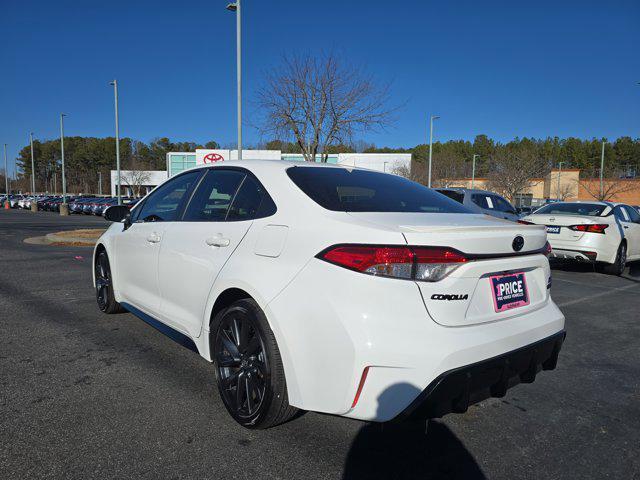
(518, 243)
(213, 158)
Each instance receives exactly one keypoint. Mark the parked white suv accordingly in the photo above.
(333, 289)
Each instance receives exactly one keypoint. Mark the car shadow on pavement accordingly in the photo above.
(403, 451)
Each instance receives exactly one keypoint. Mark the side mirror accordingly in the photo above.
(117, 213)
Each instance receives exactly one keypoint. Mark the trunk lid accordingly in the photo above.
(466, 297)
(561, 222)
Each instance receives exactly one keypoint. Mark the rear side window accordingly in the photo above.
(344, 190)
(251, 201)
(589, 209)
(213, 197)
(453, 195)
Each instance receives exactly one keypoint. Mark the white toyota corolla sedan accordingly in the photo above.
(333, 289)
(601, 232)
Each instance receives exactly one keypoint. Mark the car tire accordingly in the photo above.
(245, 354)
(104, 286)
(617, 267)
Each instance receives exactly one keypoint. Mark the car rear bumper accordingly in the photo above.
(574, 254)
(455, 390)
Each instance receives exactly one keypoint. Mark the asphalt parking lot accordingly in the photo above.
(84, 395)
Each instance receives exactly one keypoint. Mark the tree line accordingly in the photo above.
(526, 158)
(87, 159)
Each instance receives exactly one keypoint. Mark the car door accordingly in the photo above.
(194, 250)
(631, 228)
(137, 248)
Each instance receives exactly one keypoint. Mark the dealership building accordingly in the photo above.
(180, 161)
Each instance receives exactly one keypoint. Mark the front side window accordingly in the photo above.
(165, 204)
(345, 190)
(502, 205)
(483, 201)
(212, 199)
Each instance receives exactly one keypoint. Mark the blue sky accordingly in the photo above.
(505, 69)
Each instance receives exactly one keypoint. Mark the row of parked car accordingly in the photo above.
(88, 205)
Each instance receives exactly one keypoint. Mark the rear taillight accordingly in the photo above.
(525, 222)
(427, 264)
(547, 249)
(590, 228)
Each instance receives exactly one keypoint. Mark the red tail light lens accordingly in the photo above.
(590, 228)
(428, 264)
(524, 222)
(547, 249)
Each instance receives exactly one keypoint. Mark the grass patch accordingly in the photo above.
(88, 233)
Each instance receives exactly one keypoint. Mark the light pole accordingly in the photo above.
(235, 7)
(64, 178)
(602, 172)
(433, 117)
(100, 183)
(33, 166)
(559, 175)
(473, 170)
(6, 173)
(115, 97)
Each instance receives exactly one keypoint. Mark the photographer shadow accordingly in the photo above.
(404, 450)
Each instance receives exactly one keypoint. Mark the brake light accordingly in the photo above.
(525, 222)
(590, 228)
(547, 249)
(427, 264)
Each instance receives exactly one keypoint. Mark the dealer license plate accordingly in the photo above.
(509, 291)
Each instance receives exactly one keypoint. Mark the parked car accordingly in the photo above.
(101, 206)
(77, 205)
(482, 201)
(333, 289)
(601, 232)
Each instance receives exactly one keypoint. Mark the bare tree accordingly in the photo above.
(319, 102)
(447, 169)
(611, 187)
(135, 180)
(514, 173)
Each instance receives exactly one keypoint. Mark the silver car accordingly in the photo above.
(482, 201)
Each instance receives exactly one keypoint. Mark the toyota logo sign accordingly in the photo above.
(213, 158)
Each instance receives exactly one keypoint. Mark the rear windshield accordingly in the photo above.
(344, 190)
(589, 209)
(453, 195)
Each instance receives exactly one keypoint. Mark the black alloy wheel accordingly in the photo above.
(243, 368)
(104, 286)
(248, 367)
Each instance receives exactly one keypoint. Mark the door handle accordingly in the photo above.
(218, 242)
(153, 238)
(625, 226)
